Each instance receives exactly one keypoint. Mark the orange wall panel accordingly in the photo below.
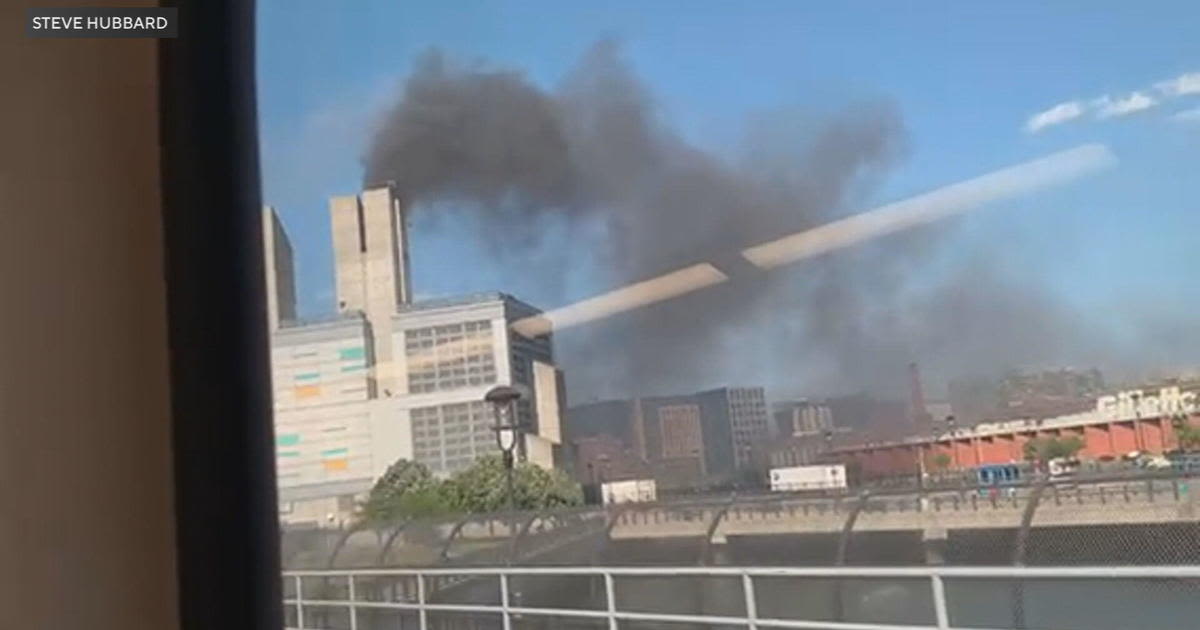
(1153, 436)
(307, 391)
(1124, 439)
(1096, 442)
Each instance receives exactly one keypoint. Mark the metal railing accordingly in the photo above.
(361, 594)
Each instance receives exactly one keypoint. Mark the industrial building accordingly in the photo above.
(682, 441)
(389, 378)
(1118, 425)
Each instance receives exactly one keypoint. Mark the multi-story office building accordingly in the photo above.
(453, 351)
(803, 432)
(669, 435)
(388, 378)
(735, 421)
(683, 440)
(802, 418)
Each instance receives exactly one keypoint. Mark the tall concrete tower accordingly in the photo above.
(281, 278)
(370, 245)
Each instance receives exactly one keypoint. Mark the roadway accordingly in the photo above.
(1147, 500)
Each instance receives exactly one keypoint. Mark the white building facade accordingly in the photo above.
(388, 379)
(451, 353)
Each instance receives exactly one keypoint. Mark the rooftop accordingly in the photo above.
(318, 320)
(463, 300)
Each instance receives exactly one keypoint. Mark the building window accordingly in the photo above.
(680, 426)
(450, 356)
(466, 430)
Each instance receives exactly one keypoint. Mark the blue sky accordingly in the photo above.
(966, 77)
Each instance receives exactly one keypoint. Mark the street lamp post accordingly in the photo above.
(508, 431)
(951, 429)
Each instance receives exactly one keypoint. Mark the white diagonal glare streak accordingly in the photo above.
(626, 298)
(932, 206)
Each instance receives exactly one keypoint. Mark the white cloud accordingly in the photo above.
(1135, 102)
(1181, 85)
(1108, 106)
(1056, 115)
(1187, 116)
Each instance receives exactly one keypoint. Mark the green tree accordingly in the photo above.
(1188, 435)
(483, 487)
(1067, 447)
(1045, 449)
(1033, 450)
(941, 461)
(406, 490)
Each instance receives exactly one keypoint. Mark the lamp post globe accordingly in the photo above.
(503, 399)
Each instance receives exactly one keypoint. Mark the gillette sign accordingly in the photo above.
(1137, 403)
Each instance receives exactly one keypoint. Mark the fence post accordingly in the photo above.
(299, 602)
(751, 603)
(1150, 490)
(610, 593)
(939, 602)
(353, 609)
(422, 616)
(504, 614)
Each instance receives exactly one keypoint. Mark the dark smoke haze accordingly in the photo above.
(595, 153)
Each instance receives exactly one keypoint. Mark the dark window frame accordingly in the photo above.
(227, 531)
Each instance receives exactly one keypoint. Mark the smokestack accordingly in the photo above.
(918, 412)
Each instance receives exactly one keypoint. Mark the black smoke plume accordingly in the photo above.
(638, 200)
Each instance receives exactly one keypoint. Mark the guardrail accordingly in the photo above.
(1063, 493)
(361, 594)
(1146, 500)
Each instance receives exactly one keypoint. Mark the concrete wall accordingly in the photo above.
(321, 364)
(280, 268)
(332, 511)
(324, 444)
(551, 401)
(346, 230)
(371, 270)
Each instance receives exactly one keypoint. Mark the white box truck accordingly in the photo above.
(797, 478)
(631, 491)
